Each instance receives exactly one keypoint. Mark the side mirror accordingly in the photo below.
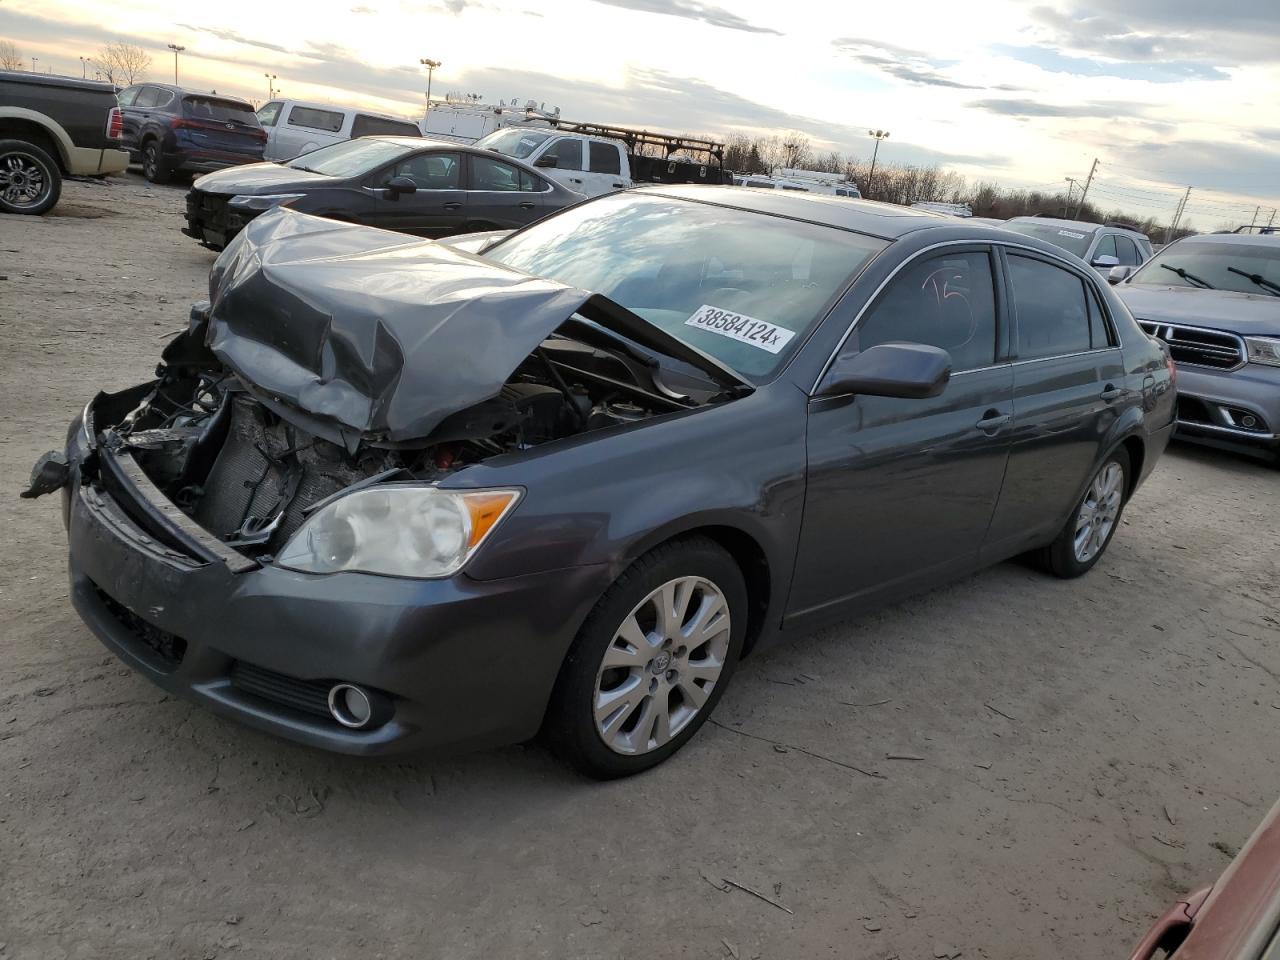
(546, 161)
(1120, 274)
(399, 185)
(1106, 261)
(908, 370)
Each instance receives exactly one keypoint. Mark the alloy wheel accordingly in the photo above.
(23, 182)
(1098, 512)
(149, 162)
(661, 666)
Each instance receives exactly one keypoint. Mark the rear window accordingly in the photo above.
(367, 126)
(225, 111)
(1071, 238)
(328, 120)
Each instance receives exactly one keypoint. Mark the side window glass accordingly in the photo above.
(127, 97)
(147, 97)
(604, 158)
(1099, 335)
(946, 301)
(431, 171)
(568, 153)
(1053, 319)
(1128, 252)
(329, 121)
(269, 114)
(1106, 247)
(531, 184)
(490, 174)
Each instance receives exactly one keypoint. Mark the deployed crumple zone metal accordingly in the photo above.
(385, 334)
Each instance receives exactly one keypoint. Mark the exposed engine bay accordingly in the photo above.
(250, 475)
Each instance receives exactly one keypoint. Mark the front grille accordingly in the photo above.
(165, 650)
(207, 211)
(1197, 346)
(305, 696)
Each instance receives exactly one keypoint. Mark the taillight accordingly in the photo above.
(115, 123)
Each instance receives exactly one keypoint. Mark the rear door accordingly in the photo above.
(308, 128)
(901, 492)
(437, 208)
(604, 168)
(500, 195)
(223, 126)
(1068, 377)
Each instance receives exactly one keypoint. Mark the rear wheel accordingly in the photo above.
(154, 166)
(651, 661)
(30, 181)
(1093, 523)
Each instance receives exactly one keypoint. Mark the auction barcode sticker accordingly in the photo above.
(1071, 233)
(737, 326)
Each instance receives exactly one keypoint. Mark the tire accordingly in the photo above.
(641, 733)
(1064, 558)
(30, 182)
(154, 166)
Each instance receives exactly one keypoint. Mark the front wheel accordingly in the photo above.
(651, 661)
(1093, 523)
(30, 182)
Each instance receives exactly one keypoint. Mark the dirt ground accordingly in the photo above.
(1081, 752)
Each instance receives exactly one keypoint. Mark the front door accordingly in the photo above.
(1068, 378)
(902, 491)
(570, 162)
(439, 206)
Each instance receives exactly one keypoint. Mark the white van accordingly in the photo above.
(467, 121)
(295, 127)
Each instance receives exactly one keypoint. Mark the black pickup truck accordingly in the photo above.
(51, 127)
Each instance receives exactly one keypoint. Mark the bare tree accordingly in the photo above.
(9, 59)
(122, 63)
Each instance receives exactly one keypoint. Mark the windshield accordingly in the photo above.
(350, 158)
(512, 142)
(1072, 239)
(744, 287)
(1223, 266)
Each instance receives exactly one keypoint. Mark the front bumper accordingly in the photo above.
(1237, 408)
(212, 220)
(465, 663)
(92, 162)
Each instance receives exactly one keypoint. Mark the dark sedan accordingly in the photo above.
(386, 494)
(418, 186)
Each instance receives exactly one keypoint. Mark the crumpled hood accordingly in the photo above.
(377, 335)
(1243, 313)
(384, 333)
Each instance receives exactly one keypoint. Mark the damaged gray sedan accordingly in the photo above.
(385, 494)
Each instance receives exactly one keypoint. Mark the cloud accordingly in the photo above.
(1156, 71)
(911, 66)
(1214, 165)
(232, 37)
(363, 10)
(1103, 109)
(1186, 32)
(692, 10)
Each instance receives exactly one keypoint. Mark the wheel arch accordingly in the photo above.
(18, 123)
(1137, 449)
(747, 551)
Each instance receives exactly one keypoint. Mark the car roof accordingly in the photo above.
(1251, 239)
(1078, 224)
(885, 220)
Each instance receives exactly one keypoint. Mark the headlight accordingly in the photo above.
(263, 202)
(1263, 350)
(399, 530)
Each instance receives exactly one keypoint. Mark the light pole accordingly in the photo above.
(431, 66)
(271, 85)
(879, 135)
(176, 50)
(33, 64)
(84, 68)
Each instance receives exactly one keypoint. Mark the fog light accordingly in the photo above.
(350, 705)
(1248, 421)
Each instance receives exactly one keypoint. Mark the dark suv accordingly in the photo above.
(171, 130)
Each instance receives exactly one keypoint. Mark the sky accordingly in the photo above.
(1166, 94)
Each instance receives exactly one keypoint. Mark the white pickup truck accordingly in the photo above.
(593, 159)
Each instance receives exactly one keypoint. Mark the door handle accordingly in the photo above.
(992, 422)
(526, 205)
(575, 180)
(453, 205)
(1111, 394)
(618, 186)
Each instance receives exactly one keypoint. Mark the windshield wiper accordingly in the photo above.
(304, 169)
(1259, 279)
(1198, 281)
